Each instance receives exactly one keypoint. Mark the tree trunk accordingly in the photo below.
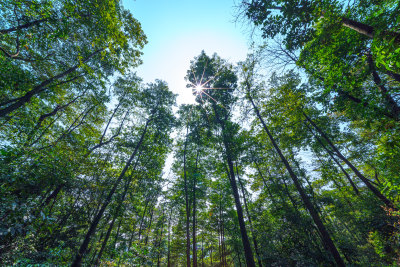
(53, 195)
(103, 246)
(314, 214)
(223, 242)
(394, 76)
(335, 160)
(19, 102)
(115, 216)
(238, 255)
(219, 237)
(359, 27)
(149, 228)
(211, 254)
(249, 217)
(161, 235)
(142, 219)
(194, 215)
(369, 31)
(245, 239)
(390, 102)
(169, 240)
(24, 26)
(374, 190)
(117, 234)
(265, 183)
(82, 250)
(186, 202)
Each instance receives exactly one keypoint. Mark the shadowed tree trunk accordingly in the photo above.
(186, 202)
(82, 250)
(250, 220)
(314, 214)
(334, 159)
(390, 102)
(194, 215)
(19, 102)
(373, 189)
(228, 154)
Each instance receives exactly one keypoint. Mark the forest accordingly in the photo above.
(290, 157)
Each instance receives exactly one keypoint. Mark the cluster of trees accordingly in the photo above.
(289, 158)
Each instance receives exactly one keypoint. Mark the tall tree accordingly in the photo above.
(213, 81)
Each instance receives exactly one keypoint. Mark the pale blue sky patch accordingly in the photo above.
(177, 31)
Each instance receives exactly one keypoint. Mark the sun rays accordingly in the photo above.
(200, 87)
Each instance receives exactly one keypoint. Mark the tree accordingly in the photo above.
(216, 82)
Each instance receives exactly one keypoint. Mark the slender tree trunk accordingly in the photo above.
(374, 190)
(357, 100)
(390, 102)
(186, 202)
(314, 214)
(142, 219)
(57, 109)
(246, 243)
(161, 235)
(292, 200)
(368, 30)
(53, 195)
(103, 246)
(115, 216)
(202, 251)
(238, 255)
(224, 263)
(220, 233)
(117, 234)
(42, 86)
(335, 160)
(338, 186)
(194, 215)
(24, 26)
(265, 183)
(359, 27)
(82, 250)
(394, 76)
(249, 217)
(211, 255)
(149, 228)
(245, 239)
(169, 240)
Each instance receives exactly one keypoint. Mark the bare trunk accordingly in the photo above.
(373, 189)
(194, 214)
(359, 27)
(369, 31)
(169, 240)
(115, 216)
(42, 86)
(335, 160)
(314, 214)
(390, 102)
(249, 217)
(103, 246)
(186, 202)
(82, 250)
(245, 239)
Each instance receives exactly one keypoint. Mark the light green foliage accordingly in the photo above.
(73, 113)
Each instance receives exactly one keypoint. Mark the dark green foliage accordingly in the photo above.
(96, 168)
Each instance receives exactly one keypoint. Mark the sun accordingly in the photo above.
(198, 89)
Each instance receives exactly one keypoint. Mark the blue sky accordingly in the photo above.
(177, 31)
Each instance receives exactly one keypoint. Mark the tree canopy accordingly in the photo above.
(287, 158)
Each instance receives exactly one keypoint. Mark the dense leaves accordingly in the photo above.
(293, 166)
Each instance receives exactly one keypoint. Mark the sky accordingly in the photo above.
(178, 30)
